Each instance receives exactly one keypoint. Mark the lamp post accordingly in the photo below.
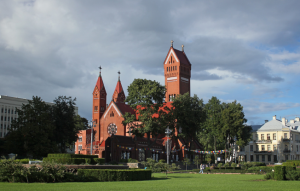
(92, 124)
(168, 132)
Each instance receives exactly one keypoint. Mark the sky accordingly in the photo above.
(246, 51)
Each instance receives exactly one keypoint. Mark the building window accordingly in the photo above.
(79, 139)
(251, 147)
(257, 158)
(79, 147)
(263, 158)
(262, 137)
(274, 148)
(5, 118)
(268, 136)
(5, 110)
(8, 119)
(274, 136)
(285, 135)
(256, 137)
(291, 137)
(251, 158)
(269, 158)
(263, 148)
(1, 110)
(96, 108)
(275, 158)
(257, 149)
(269, 147)
(286, 157)
(12, 111)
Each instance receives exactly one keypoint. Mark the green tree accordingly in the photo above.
(233, 125)
(34, 128)
(147, 98)
(81, 123)
(212, 125)
(197, 160)
(189, 115)
(64, 121)
(186, 161)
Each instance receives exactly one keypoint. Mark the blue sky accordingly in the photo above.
(239, 50)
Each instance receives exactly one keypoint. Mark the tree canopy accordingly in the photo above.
(42, 128)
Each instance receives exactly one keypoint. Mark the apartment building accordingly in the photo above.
(274, 141)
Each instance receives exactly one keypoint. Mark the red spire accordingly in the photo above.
(99, 83)
(119, 87)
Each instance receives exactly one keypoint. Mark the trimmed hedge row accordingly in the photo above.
(66, 155)
(114, 175)
(281, 171)
(291, 163)
(75, 160)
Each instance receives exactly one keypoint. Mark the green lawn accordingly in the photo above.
(182, 182)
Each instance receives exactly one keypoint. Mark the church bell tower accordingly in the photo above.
(177, 71)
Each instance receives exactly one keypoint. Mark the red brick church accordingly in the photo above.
(113, 141)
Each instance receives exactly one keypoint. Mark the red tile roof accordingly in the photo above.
(182, 57)
(124, 108)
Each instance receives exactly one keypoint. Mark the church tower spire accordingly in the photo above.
(118, 95)
(99, 99)
(177, 71)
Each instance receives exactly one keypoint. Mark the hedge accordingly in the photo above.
(114, 175)
(291, 163)
(65, 160)
(65, 155)
(99, 160)
(280, 172)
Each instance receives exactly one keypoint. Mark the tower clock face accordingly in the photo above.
(112, 129)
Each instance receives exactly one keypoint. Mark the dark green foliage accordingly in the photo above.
(269, 175)
(99, 160)
(88, 161)
(292, 175)
(279, 173)
(246, 165)
(65, 155)
(113, 175)
(130, 160)
(291, 163)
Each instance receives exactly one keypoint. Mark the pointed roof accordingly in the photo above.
(119, 87)
(179, 55)
(99, 83)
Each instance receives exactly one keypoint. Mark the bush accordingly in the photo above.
(265, 169)
(292, 175)
(113, 175)
(88, 160)
(130, 160)
(99, 160)
(269, 175)
(123, 160)
(279, 173)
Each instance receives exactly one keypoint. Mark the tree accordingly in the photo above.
(212, 125)
(81, 123)
(34, 128)
(186, 161)
(234, 129)
(42, 128)
(64, 121)
(188, 113)
(197, 160)
(147, 97)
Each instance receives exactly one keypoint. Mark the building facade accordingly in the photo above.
(111, 138)
(275, 141)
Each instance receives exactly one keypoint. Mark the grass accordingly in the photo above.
(182, 182)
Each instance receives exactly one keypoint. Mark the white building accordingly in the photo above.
(8, 112)
(274, 141)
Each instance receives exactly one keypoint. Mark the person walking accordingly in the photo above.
(201, 169)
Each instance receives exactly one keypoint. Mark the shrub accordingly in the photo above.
(132, 160)
(269, 175)
(99, 160)
(279, 173)
(123, 160)
(292, 175)
(220, 165)
(88, 160)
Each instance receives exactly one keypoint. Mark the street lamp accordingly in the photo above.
(92, 125)
(168, 132)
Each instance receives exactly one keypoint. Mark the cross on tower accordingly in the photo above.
(100, 71)
(119, 75)
(182, 47)
(172, 43)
